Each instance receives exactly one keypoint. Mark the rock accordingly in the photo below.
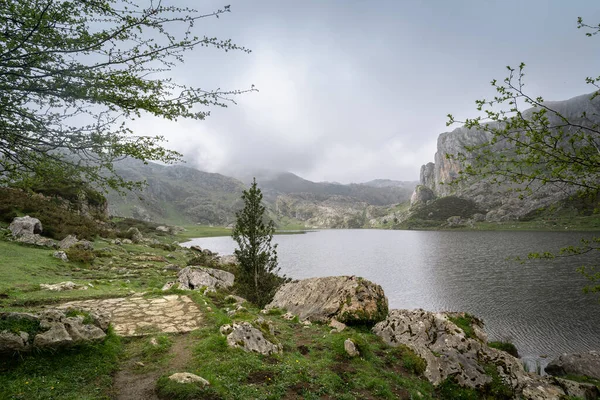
(421, 195)
(336, 325)
(306, 323)
(226, 329)
(54, 330)
(61, 255)
(82, 332)
(37, 240)
(228, 260)
(126, 241)
(62, 286)
(135, 235)
(449, 353)
(350, 348)
(25, 226)
(13, 342)
(67, 242)
(162, 228)
(581, 364)
(168, 285)
(55, 336)
(349, 299)
(288, 316)
(85, 245)
(580, 390)
(248, 338)
(196, 277)
(186, 377)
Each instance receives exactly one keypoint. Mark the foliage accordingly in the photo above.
(77, 253)
(544, 145)
(505, 346)
(257, 278)
(57, 219)
(73, 73)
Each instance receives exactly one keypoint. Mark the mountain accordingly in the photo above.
(176, 194)
(183, 195)
(495, 202)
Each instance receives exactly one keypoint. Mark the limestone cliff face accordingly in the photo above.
(500, 202)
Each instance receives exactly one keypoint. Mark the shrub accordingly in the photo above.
(78, 254)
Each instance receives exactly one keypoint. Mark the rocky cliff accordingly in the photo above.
(498, 201)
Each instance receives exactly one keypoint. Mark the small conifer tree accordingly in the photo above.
(257, 278)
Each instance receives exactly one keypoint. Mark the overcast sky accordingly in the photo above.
(351, 91)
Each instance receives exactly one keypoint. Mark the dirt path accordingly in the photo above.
(131, 383)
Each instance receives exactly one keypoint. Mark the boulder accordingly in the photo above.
(196, 277)
(249, 338)
(37, 240)
(449, 353)
(162, 228)
(55, 336)
(68, 242)
(349, 299)
(61, 255)
(186, 377)
(421, 195)
(350, 348)
(25, 226)
(336, 325)
(581, 364)
(13, 342)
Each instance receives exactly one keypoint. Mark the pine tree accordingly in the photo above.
(257, 278)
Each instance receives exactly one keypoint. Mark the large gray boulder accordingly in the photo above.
(349, 299)
(25, 226)
(582, 364)
(250, 339)
(450, 353)
(196, 277)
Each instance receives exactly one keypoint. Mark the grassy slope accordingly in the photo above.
(314, 363)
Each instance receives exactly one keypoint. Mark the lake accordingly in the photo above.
(538, 306)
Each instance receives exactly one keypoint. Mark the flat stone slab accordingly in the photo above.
(138, 316)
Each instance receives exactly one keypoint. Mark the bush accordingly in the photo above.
(57, 219)
(78, 254)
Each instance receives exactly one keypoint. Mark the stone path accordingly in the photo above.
(137, 315)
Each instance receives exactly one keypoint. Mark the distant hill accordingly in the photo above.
(183, 195)
(176, 194)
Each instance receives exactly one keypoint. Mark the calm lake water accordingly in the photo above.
(539, 305)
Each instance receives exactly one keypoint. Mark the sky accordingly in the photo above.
(350, 90)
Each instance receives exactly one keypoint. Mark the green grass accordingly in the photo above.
(313, 365)
(114, 272)
(466, 324)
(505, 346)
(80, 373)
